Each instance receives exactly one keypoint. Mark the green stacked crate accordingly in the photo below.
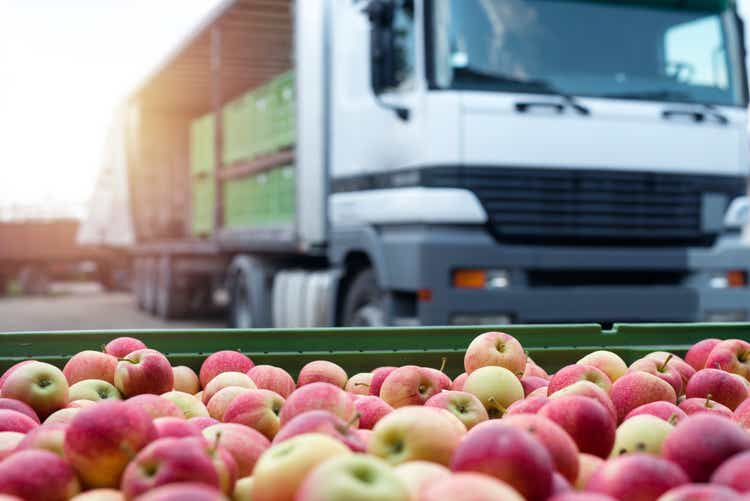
(263, 103)
(283, 123)
(202, 145)
(262, 200)
(203, 206)
(201, 169)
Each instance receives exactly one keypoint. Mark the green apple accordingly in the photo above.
(642, 433)
(40, 385)
(243, 489)
(190, 405)
(94, 390)
(417, 475)
(496, 387)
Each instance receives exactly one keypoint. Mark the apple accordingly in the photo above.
(532, 369)
(40, 385)
(62, 416)
(221, 400)
(496, 387)
(378, 377)
(415, 433)
(742, 414)
(99, 495)
(18, 406)
(637, 388)
(561, 447)
(38, 474)
(325, 423)
(409, 385)
(465, 406)
(587, 465)
(495, 349)
(351, 477)
(587, 422)
(698, 353)
(157, 406)
(733, 473)
(90, 365)
(634, 477)
(15, 421)
(371, 409)
(685, 370)
(166, 461)
(121, 346)
(243, 489)
(359, 384)
(172, 427)
(606, 361)
(661, 369)
(419, 475)
(702, 442)
(144, 371)
(94, 390)
(704, 405)
(223, 361)
(540, 392)
(224, 462)
(588, 389)
(322, 371)
(725, 388)
(560, 485)
(80, 404)
(224, 380)
(643, 433)
(529, 405)
(242, 442)
(531, 383)
(183, 491)
(187, 403)
(185, 379)
(700, 492)
(318, 396)
(11, 369)
(268, 377)
(444, 382)
(469, 487)
(732, 355)
(663, 410)
(50, 437)
(258, 409)
(203, 422)
(510, 454)
(575, 373)
(101, 440)
(9, 441)
(458, 383)
(282, 469)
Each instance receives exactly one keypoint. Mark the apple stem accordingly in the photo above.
(362, 384)
(673, 419)
(129, 452)
(353, 420)
(443, 363)
(664, 365)
(216, 441)
(708, 401)
(498, 409)
(127, 360)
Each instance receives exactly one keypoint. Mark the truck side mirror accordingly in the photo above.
(381, 14)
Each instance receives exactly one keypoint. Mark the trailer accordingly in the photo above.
(443, 162)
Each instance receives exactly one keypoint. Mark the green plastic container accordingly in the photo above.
(261, 200)
(552, 346)
(202, 145)
(203, 193)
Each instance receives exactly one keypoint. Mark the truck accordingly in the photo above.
(318, 163)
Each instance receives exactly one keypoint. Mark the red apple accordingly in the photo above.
(637, 388)
(529, 405)
(50, 437)
(581, 496)
(532, 369)
(378, 377)
(40, 385)
(15, 421)
(700, 492)
(469, 487)
(732, 355)
(144, 371)
(224, 380)
(699, 352)
(495, 349)
(542, 392)
(575, 373)
(322, 371)
(62, 416)
(409, 385)
(560, 485)
(417, 476)
(733, 473)
(509, 454)
(18, 406)
(185, 379)
(636, 477)
(465, 406)
(101, 440)
(203, 422)
(223, 361)
(325, 423)
(458, 383)
(685, 370)
(172, 427)
(661, 369)
(90, 365)
(9, 441)
(606, 361)
(663, 410)
(157, 406)
(243, 443)
(258, 409)
(371, 409)
(704, 405)
(318, 396)
(190, 405)
(365, 435)
(702, 442)
(37, 474)
(268, 377)
(587, 466)
(80, 404)
(121, 346)
(183, 491)
(723, 387)
(359, 384)
(11, 369)
(531, 383)
(444, 382)
(219, 403)
(587, 422)
(98, 495)
(588, 389)
(561, 447)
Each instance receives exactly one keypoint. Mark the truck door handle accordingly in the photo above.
(526, 106)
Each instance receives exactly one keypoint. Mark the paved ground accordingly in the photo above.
(82, 307)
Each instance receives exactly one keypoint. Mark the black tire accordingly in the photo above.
(364, 304)
(172, 299)
(250, 299)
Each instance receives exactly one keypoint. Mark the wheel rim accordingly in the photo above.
(369, 315)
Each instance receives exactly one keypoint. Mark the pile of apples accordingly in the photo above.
(123, 424)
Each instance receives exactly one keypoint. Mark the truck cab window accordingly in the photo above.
(695, 53)
(404, 49)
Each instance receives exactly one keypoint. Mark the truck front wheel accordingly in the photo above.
(364, 305)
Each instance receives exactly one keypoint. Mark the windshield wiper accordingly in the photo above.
(705, 110)
(534, 85)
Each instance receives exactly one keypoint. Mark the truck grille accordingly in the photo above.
(584, 207)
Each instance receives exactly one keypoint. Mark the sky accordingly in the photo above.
(64, 67)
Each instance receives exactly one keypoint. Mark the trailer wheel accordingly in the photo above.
(364, 303)
(172, 300)
(138, 284)
(33, 280)
(150, 284)
(250, 301)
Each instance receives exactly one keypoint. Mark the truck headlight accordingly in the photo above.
(481, 279)
(728, 280)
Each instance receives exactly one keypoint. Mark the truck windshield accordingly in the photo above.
(585, 48)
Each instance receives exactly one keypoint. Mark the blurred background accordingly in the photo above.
(88, 233)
